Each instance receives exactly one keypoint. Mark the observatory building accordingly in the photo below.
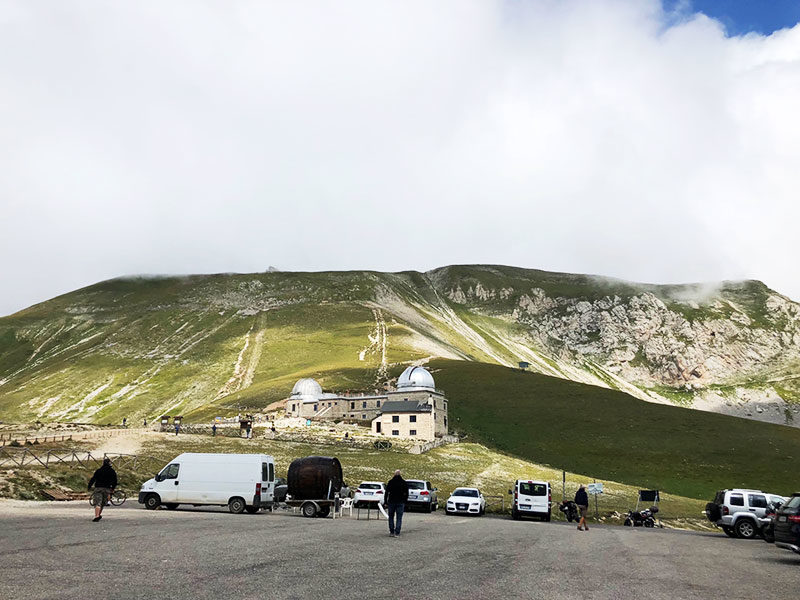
(415, 409)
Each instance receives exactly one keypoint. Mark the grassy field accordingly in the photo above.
(446, 467)
(611, 435)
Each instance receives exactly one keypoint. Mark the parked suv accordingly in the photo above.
(787, 524)
(421, 494)
(738, 511)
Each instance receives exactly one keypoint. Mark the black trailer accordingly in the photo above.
(314, 484)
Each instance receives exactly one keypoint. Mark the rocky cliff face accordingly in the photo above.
(732, 347)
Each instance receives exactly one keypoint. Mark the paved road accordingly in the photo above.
(55, 551)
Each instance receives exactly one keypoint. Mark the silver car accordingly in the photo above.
(421, 494)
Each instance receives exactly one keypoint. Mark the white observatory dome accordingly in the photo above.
(308, 388)
(415, 377)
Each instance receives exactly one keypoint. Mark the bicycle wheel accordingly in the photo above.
(118, 498)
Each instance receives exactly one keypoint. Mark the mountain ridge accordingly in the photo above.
(200, 343)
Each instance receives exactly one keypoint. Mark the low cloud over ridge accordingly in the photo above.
(595, 136)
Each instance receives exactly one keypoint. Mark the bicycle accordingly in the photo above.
(117, 498)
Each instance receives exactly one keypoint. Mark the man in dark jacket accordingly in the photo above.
(396, 498)
(104, 481)
(582, 500)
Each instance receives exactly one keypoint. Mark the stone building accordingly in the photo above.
(415, 409)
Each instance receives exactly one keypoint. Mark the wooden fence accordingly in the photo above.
(7, 438)
(27, 457)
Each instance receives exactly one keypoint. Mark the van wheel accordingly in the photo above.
(547, 518)
(171, 505)
(746, 529)
(309, 510)
(515, 514)
(152, 502)
(252, 509)
(236, 506)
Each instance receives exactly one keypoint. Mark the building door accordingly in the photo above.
(378, 427)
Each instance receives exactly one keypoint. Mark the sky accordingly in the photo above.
(624, 138)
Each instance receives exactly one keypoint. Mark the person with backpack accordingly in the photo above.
(396, 498)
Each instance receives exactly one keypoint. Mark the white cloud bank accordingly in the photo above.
(601, 136)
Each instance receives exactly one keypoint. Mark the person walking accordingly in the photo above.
(396, 498)
(177, 428)
(104, 481)
(214, 430)
(582, 500)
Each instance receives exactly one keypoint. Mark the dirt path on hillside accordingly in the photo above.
(126, 443)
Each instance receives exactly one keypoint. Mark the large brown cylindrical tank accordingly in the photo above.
(314, 478)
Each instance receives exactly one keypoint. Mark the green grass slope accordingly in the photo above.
(611, 435)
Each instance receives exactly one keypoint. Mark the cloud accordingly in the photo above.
(602, 136)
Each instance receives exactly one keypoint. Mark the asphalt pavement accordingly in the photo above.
(53, 550)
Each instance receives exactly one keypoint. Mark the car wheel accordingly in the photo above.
(729, 531)
(768, 533)
(252, 509)
(746, 529)
(309, 510)
(171, 505)
(152, 502)
(236, 505)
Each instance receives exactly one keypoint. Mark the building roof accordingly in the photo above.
(400, 406)
(307, 388)
(415, 377)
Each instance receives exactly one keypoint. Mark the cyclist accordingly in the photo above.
(104, 481)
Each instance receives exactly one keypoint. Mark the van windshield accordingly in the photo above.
(533, 489)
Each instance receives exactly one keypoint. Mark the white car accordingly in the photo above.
(369, 491)
(467, 501)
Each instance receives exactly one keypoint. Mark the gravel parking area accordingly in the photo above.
(53, 550)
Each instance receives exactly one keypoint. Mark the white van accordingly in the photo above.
(531, 499)
(240, 481)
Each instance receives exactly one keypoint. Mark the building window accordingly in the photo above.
(363, 416)
(378, 403)
(316, 408)
(363, 405)
(395, 418)
(445, 421)
(294, 407)
(352, 405)
(395, 432)
(412, 419)
(413, 432)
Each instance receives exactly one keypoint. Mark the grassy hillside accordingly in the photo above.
(611, 435)
(217, 344)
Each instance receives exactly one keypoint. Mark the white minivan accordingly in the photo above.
(240, 481)
(531, 499)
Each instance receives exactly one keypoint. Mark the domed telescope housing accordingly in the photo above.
(415, 378)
